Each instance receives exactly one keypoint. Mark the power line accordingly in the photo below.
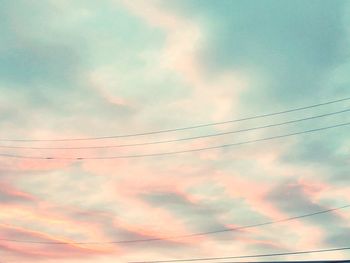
(247, 256)
(289, 261)
(173, 152)
(183, 128)
(293, 261)
(177, 140)
(183, 236)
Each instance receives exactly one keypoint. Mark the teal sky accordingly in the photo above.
(88, 68)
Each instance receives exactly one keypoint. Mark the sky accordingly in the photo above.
(102, 68)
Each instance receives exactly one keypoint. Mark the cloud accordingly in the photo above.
(97, 68)
(294, 197)
(10, 195)
(290, 47)
(195, 216)
(40, 252)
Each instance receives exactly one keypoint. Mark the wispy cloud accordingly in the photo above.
(98, 68)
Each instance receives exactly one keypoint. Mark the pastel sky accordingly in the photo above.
(94, 68)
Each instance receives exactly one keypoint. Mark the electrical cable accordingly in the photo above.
(246, 256)
(177, 140)
(183, 128)
(5, 155)
(183, 236)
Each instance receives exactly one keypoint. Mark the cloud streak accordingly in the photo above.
(94, 68)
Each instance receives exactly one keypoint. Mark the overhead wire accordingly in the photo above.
(246, 256)
(182, 128)
(180, 139)
(288, 261)
(294, 261)
(5, 155)
(184, 236)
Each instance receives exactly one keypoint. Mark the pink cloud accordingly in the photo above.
(41, 250)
